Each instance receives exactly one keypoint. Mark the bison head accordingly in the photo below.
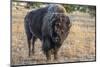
(60, 27)
(56, 23)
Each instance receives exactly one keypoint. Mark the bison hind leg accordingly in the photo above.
(33, 42)
(29, 37)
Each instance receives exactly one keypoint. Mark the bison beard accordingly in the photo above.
(51, 25)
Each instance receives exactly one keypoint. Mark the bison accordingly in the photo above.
(51, 25)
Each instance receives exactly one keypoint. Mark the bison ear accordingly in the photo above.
(68, 23)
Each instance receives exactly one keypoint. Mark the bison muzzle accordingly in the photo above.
(51, 25)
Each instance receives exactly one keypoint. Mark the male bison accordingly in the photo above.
(51, 25)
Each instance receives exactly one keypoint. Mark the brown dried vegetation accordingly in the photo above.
(79, 46)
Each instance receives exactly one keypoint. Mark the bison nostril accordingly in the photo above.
(62, 32)
(57, 39)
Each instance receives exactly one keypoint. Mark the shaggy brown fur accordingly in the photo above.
(51, 25)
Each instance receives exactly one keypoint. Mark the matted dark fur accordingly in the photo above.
(51, 25)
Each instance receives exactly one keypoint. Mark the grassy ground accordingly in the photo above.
(79, 46)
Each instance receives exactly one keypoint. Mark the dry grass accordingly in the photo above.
(79, 46)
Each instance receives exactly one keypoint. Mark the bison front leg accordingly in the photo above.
(46, 48)
(48, 55)
(56, 49)
(55, 54)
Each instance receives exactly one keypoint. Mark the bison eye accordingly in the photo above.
(57, 25)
